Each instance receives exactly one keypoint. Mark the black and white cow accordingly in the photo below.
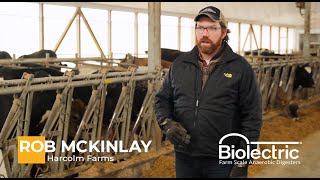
(302, 79)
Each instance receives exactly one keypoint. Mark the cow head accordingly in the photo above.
(303, 77)
(5, 55)
(129, 59)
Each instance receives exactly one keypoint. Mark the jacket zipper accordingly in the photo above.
(200, 93)
(196, 112)
(197, 100)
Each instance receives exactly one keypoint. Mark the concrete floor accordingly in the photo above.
(309, 157)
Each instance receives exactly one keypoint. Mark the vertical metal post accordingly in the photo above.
(41, 26)
(306, 37)
(154, 34)
(250, 31)
(279, 39)
(179, 33)
(270, 38)
(110, 36)
(287, 39)
(239, 36)
(78, 34)
(136, 42)
(260, 35)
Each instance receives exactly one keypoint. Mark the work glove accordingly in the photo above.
(175, 133)
(239, 171)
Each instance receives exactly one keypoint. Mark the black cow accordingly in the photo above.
(261, 51)
(167, 57)
(82, 95)
(169, 54)
(112, 96)
(303, 78)
(5, 55)
(40, 54)
(42, 100)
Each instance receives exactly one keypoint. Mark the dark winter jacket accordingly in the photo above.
(230, 101)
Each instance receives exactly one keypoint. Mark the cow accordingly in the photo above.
(5, 55)
(169, 54)
(167, 57)
(40, 54)
(42, 100)
(82, 96)
(261, 51)
(302, 79)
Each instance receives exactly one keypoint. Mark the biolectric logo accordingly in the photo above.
(229, 152)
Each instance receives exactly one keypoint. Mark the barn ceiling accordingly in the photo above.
(284, 13)
(268, 13)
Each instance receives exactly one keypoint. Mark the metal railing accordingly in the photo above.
(57, 125)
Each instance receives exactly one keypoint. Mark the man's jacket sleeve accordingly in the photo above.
(250, 107)
(164, 99)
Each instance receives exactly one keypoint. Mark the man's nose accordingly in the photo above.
(205, 32)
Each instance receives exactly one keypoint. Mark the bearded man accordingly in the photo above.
(209, 93)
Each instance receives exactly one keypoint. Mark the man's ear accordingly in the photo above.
(224, 32)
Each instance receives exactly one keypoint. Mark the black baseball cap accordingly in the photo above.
(212, 12)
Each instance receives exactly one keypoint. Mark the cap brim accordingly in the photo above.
(208, 15)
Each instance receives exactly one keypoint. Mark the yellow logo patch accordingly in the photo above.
(228, 75)
(31, 150)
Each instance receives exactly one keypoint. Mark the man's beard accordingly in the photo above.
(208, 49)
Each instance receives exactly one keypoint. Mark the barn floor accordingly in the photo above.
(278, 128)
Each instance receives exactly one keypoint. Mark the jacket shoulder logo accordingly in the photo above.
(228, 75)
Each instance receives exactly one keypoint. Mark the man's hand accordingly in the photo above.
(239, 172)
(176, 134)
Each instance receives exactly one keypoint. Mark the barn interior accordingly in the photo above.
(80, 71)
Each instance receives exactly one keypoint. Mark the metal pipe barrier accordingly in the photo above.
(57, 124)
